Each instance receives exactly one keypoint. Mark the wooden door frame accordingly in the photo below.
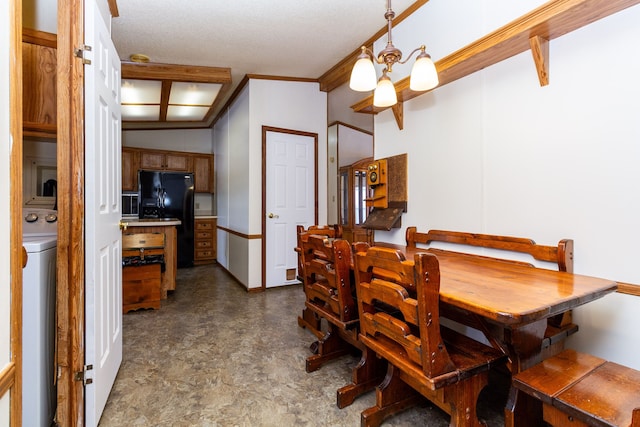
(70, 263)
(266, 129)
(11, 379)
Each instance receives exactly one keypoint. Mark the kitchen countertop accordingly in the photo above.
(206, 216)
(150, 222)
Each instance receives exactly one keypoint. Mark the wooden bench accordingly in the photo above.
(308, 320)
(330, 295)
(579, 389)
(141, 280)
(558, 327)
(398, 302)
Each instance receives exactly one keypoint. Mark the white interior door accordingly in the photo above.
(290, 200)
(103, 281)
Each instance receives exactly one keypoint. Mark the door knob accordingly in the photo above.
(123, 225)
(272, 215)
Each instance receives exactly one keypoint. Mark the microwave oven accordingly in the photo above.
(130, 204)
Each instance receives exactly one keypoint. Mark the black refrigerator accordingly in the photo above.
(164, 195)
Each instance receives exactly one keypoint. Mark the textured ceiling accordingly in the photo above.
(292, 38)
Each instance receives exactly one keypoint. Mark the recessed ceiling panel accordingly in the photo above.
(140, 112)
(141, 91)
(183, 93)
(185, 113)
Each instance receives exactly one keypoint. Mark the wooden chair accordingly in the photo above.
(398, 302)
(558, 327)
(578, 389)
(143, 256)
(308, 320)
(330, 295)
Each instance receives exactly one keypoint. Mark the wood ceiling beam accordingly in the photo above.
(179, 73)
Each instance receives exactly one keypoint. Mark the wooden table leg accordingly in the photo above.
(524, 346)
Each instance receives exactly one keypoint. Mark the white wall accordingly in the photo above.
(5, 205)
(339, 109)
(494, 152)
(238, 150)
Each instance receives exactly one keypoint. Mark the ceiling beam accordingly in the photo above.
(178, 73)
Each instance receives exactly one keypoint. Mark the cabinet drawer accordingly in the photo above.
(204, 235)
(204, 225)
(204, 254)
(203, 244)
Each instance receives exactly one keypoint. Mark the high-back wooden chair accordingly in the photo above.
(398, 303)
(559, 327)
(308, 320)
(142, 255)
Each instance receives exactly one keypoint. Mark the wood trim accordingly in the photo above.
(340, 73)
(266, 129)
(70, 252)
(629, 288)
(175, 72)
(232, 98)
(237, 233)
(113, 8)
(7, 379)
(283, 78)
(338, 122)
(39, 37)
(549, 21)
(11, 378)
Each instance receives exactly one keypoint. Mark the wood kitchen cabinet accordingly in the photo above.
(165, 160)
(203, 173)
(39, 63)
(205, 250)
(130, 166)
(200, 164)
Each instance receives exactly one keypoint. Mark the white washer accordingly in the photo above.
(39, 318)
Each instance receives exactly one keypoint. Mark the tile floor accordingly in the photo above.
(215, 355)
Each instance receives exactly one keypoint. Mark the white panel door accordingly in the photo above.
(290, 201)
(103, 258)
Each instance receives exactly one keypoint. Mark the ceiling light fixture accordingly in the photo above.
(424, 75)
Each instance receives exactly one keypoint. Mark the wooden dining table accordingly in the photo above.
(510, 303)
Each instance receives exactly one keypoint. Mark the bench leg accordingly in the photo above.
(392, 396)
(522, 410)
(366, 376)
(310, 321)
(329, 347)
(462, 398)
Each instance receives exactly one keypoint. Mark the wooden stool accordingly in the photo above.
(141, 281)
(579, 389)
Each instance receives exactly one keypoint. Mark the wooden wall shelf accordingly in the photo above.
(530, 31)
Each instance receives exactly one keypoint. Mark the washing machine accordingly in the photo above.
(39, 238)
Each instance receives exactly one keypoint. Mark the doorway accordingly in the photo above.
(289, 198)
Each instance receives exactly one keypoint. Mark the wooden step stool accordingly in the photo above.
(141, 283)
(578, 389)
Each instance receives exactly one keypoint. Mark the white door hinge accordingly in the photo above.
(79, 53)
(83, 375)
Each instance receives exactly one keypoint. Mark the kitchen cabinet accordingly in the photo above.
(205, 250)
(200, 164)
(203, 173)
(130, 166)
(165, 160)
(39, 83)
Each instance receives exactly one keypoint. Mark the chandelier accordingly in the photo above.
(363, 76)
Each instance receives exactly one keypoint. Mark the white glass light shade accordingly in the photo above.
(193, 93)
(385, 93)
(363, 75)
(140, 112)
(140, 91)
(423, 74)
(185, 113)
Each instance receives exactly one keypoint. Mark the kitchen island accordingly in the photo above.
(167, 226)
